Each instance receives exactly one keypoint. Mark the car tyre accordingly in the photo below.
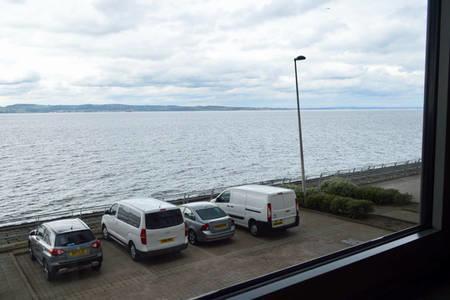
(192, 237)
(105, 233)
(134, 253)
(254, 228)
(50, 274)
(30, 251)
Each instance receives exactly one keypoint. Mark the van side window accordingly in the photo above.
(128, 216)
(135, 219)
(121, 215)
(224, 198)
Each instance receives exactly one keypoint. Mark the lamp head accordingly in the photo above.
(300, 57)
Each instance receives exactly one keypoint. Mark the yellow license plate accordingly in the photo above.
(277, 222)
(220, 226)
(166, 240)
(78, 252)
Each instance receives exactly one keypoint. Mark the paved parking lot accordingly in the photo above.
(204, 268)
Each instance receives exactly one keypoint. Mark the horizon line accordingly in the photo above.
(221, 106)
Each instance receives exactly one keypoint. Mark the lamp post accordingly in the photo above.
(302, 162)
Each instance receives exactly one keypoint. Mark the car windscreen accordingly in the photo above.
(74, 238)
(211, 213)
(163, 219)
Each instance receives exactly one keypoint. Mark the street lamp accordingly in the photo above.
(302, 162)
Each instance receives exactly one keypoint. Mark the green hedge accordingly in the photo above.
(299, 192)
(353, 208)
(342, 187)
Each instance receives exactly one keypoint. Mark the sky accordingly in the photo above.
(222, 52)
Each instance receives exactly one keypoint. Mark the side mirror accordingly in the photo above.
(32, 232)
(107, 212)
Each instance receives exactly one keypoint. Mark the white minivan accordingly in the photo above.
(146, 226)
(260, 207)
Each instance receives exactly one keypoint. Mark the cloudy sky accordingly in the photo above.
(222, 52)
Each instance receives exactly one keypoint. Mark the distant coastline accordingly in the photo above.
(36, 108)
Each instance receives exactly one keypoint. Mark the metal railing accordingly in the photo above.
(379, 170)
(361, 172)
(75, 212)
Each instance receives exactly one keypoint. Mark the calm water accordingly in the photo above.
(60, 161)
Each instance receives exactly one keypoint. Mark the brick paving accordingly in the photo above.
(12, 285)
(204, 268)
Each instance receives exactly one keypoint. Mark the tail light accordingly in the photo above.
(204, 227)
(143, 236)
(56, 252)
(269, 213)
(97, 244)
(185, 229)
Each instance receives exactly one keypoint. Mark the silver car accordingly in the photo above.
(207, 222)
(64, 245)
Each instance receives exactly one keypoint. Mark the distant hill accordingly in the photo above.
(34, 108)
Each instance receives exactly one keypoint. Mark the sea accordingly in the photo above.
(59, 161)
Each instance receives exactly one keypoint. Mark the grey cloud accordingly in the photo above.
(19, 80)
(181, 54)
(275, 10)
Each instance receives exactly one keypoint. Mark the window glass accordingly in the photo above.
(129, 216)
(46, 237)
(184, 102)
(163, 219)
(189, 214)
(113, 209)
(211, 213)
(224, 198)
(40, 231)
(74, 238)
(134, 219)
(122, 213)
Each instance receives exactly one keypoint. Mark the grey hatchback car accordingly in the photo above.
(64, 245)
(207, 222)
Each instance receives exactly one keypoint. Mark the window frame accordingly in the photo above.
(390, 260)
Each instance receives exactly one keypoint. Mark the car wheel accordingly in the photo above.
(30, 251)
(134, 253)
(50, 274)
(97, 267)
(192, 237)
(254, 229)
(105, 233)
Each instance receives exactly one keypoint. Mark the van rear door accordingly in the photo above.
(165, 229)
(284, 208)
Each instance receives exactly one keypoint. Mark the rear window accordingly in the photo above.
(211, 213)
(74, 238)
(163, 219)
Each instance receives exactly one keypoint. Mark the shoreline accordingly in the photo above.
(13, 233)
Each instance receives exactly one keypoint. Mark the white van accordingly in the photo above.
(146, 226)
(260, 207)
